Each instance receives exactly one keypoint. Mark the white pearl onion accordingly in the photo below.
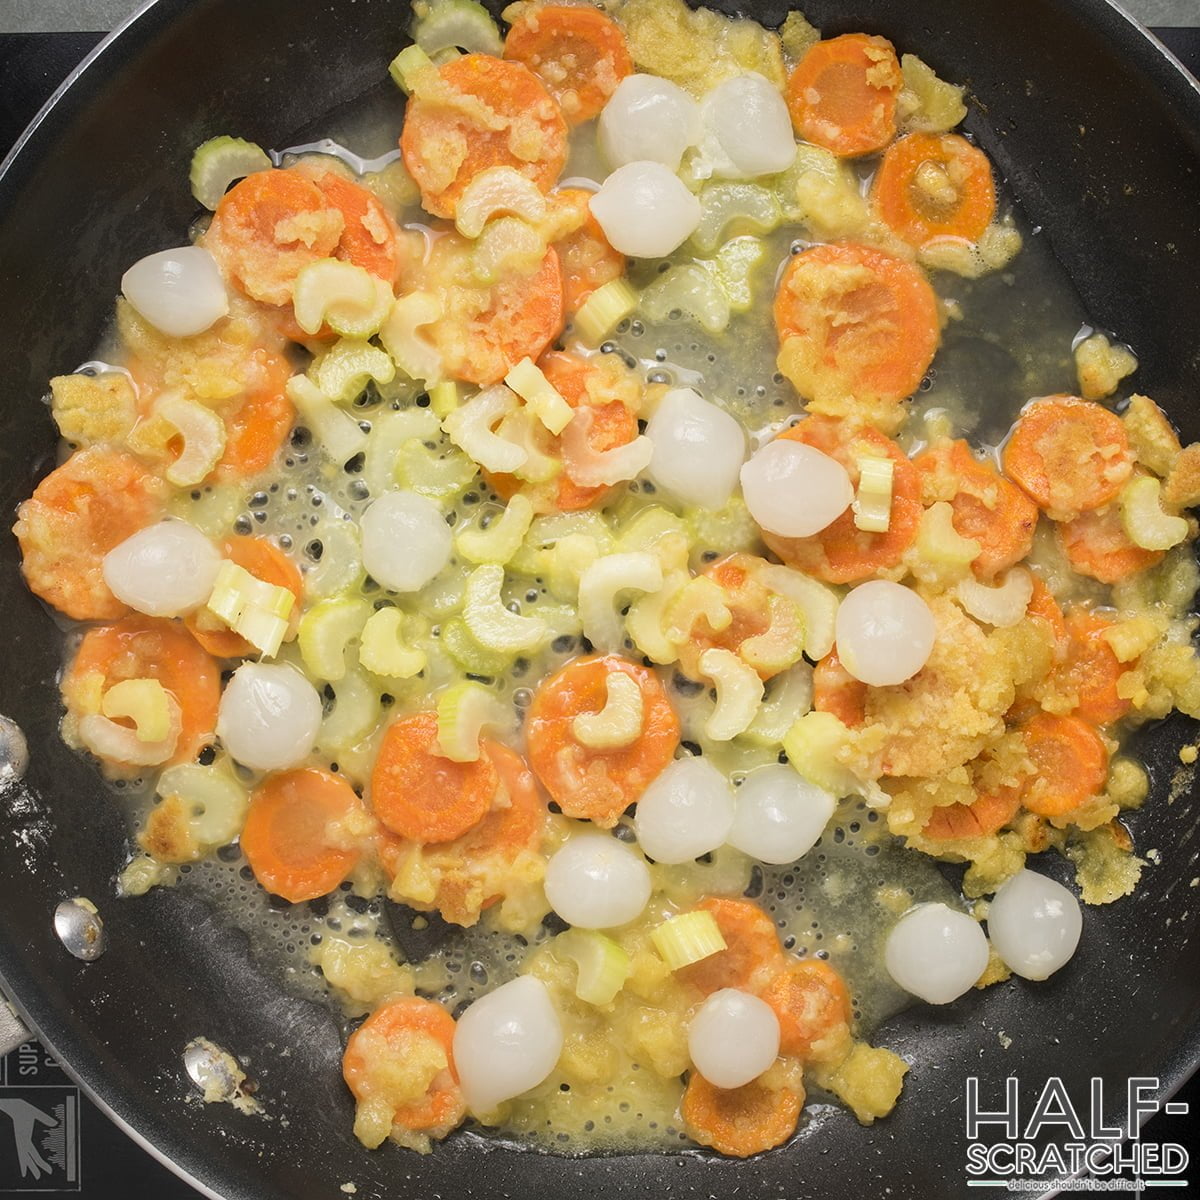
(180, 292)
(686, 812)
(1035, 924)
(747, 129)
(645, 210)
(647, 119)
(405, 541)
(779, 815)
(269, 716)
(698, 449)
(795, 490)
(733, 1038)
(885, 633)
(506, 1043)
(164, 570)
(597, 882)
(936, 953)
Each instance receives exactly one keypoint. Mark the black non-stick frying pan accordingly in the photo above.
(1098, 134)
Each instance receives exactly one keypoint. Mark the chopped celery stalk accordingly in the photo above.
(604, 310)
(390, 431)
(496, 191)
(650, 527)
(490, 623)
(507, 246)
(726, 529)
(251, 607)
(733, 265)
(561, 565)
(540, 395)
(382, 649)
(218, 162)
(461, 24)
(603, 965)
(334, 430)
(781, 643)
(619, 723)
(325, 634)
(434, 473)
(1001, 605)
(214, 801)
(400, 335)
(789, 696)
(691, 290)
(1146, 524)
(463, 712)
(458, 643)
(644, 621)
(351, 300)
(469, 427)
(502, 538)
(356, 711)
(348, 366)
(443, 398)
(407, 68)
(739, 693)
(688, 938)
(812, 746)
(142, 701)
(203, 434)
(522, 428)
(942, 552)
(873, 503)
(701, 599)
(740, 206)
(818, 604)
(599, 586)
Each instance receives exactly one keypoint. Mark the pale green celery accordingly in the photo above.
(356, 712)
(389, 432)
(490, 623)
(221, 160)
(468, 654)
(142, 701)
(464, 711)
(599, 586)
(401, 336)
(214, 802)
(540, 395)
(789, 696)
(501, 539)
(619, 723)
(737, 208)
(733, 266)
(1146, 524)
(604, 310)
(739, 693)
(691, 290)
(438, 473)
(688, 938)
(457, 24)
(873, 502)
(603, 965)
(383, 649)
(337, 433)
(326, 632)
(346, 368)
(342, 295)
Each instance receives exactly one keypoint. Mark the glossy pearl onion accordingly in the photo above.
(180, 292)
(686, 812)
(405, 541)
(733, 1038)
(1035, 924)
(269, 716)
(645, 210)
(779, 815)
(885, 633)
(698, 449)
(936, 953)
(164, 570)
(597, 882)
(794, 490)
(647, 119)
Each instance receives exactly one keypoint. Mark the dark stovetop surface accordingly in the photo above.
(92, 1157)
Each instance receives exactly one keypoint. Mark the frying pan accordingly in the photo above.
(1098, 134)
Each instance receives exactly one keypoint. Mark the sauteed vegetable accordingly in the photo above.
(556, 532)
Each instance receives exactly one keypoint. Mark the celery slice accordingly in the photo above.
(502, 538)
(779, 645)
(337, 433)
(203, 434)
(523, 429)
(733, 266)
(352, 301)
(818, 604)
(619, 723)
(218, 162)
(469, 427)
(400, 335)
(739, 693)
(691, 290)
(645, 619)
(540, 395)
(812, 746)
(467, 653)
(462, 24)
(325, 634)
(688, 938)
(356, 711)
(602, 582)
(738, 206)
(496, 191)
(251, 607)
(408, 68)
(463, 712)
(603, 965)
(389, 432)
(1000, 605)
(443, 398)
(382, 649)
(346, 368)
(873, 503)
(490, 623)
(437, 473)
(788, 697)
(142, 701)
(214, 801)
(1146, 524)
(700, 599)
(604, 310)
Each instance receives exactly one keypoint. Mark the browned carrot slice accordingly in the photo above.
(842, 94)
(985, 815)
(739, 1121)
(1091, 670)
(836, 691)
(752, 954)
(811, 1001)
(587, 260)
(1071, 762)
(1097, 545)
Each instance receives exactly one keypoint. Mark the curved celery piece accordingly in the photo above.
(468, 654)
(463, 712)
(351, 300)
(590, 467)
(739, 693)
(540, 395)
(693, 291)
(521, 428)
(659, 531)
(142, 701)
(818, 604)
(725, 207)
(203, 434)
(389, 432)
(789, 695)
(325, 634)
(603, 965)
(942, 553)
(437, 473)
(688, 938)
(602, 582)
(469, 427)
(490, 623)
(356, 712)
(619, 723)
(444, 398)
(411, 68)
(257, 610)
(346, 368)
(699, 598)
(999, 605)
(1146, 524)
(733, 266)
(502, 537)
(457, 24)
(813, 744)
(214, 801)
(382, 649)
(400, 334)
(337, 433)
(506, 246)
(218, 162)
(645, 619)
(497, 191)
(604, 310)
(779, 645)
(728, 528)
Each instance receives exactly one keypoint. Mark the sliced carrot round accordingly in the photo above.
(1091, 670)
(987, 507)
(597, 785)
(933, 185)
(988, 813)
(422, 795)
(586, 258)
(752, 954)
(1043, 607)
(747, 601)
(855, 322)
(1070, 761)
(842, 94)
(739, 1121)
(843, 553)
(258, 425)
(485, 112)
(1096, 544)
(369, 234)
(148, 648)
(836, 691)
(811, 1002)
(76, 515)
(389, 1036)
(264, 560)
(1069, 455)
(577, 51)
(296, 838)
(268, 228)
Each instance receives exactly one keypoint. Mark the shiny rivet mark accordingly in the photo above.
(14, 753)
(80, 928)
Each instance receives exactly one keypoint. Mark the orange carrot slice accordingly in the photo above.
(836, 691)
(1091, 669)
(1071, 762)
(739, 1121)
(985, 815)
(1096, 544)
(369, 234)
(811, 1001)
(752, 954)
(587, 259)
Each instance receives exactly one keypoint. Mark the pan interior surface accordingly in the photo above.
(1108, 172)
